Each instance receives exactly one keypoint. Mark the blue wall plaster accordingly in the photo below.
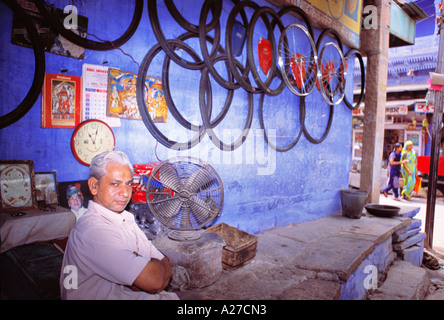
(264, 189)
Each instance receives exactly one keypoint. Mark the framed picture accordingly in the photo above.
(66, 189)
(46, 188)
(17, 185)
(122, 102)
(61, 101)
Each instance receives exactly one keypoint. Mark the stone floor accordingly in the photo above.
(322, 259)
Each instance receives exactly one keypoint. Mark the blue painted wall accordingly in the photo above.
(264, 189)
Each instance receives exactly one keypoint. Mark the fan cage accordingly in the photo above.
(184, 193)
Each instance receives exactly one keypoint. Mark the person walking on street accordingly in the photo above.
(394, 171)
(408, 170)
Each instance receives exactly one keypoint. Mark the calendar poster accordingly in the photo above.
(95, 88)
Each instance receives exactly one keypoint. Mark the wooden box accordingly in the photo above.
(240, 246)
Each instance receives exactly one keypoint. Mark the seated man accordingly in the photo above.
(108, 256)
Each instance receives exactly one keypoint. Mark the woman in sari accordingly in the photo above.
(408, 170)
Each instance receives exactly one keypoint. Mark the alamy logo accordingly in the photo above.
(70, 21)
(253, 151)
(371, 281)
(370, 17)
(71, 278)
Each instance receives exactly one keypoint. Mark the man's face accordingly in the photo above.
(75, 202)
(114, 190)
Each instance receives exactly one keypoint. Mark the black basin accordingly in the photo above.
(382, 210)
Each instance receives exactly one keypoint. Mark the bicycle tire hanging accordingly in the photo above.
(242, 68)
(39, 69)
(298, 71)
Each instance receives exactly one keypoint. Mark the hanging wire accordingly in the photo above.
(118, 48)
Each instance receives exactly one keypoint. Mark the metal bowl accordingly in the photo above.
(382, 210)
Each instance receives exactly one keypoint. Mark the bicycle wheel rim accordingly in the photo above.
(39, 69)
(327, 92)
(334, 34)
(300, 13)
(310, 73)
(87, 43)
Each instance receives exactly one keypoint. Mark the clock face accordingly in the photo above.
(90, 138)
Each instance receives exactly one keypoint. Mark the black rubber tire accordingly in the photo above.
(300, 13)
(242, 79)
(209, 57)
(358, 55)
(327, 130)
(262, 125)
(205, 109)
(155, 24)
(39, 69)
(155, 132)
(167, 93)
(214, 5)
(166, 83)
(261, 12)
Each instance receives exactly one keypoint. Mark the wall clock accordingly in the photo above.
(90, 138)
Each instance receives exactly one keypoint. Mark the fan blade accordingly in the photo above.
(167, 208)
(201, 210)
(168, 178)
(199, 179)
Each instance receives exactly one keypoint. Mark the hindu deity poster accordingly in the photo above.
(122, 102)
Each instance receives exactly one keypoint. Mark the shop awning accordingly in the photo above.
(392, 107)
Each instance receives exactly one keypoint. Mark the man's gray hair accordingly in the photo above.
(97, 168)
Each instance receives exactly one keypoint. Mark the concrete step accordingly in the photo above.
(404, 282)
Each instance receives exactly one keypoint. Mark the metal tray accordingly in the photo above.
(382, 210)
